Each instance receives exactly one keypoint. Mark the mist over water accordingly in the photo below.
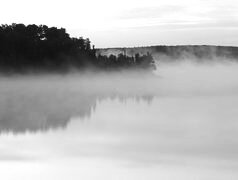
(178, 123)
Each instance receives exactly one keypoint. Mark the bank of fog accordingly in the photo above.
(181, 78)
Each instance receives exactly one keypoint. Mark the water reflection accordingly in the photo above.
(118, 128)
(43, 111)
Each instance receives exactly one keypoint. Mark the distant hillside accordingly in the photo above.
(176, 53)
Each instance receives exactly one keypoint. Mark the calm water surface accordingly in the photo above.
(152, 128)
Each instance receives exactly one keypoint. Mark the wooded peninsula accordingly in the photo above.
(29, 48)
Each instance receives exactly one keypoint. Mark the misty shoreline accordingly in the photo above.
(39, 49)
(178, 53)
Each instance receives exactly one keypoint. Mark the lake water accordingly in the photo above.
(180, 123)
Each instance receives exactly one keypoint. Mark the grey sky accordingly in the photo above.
(110, 23)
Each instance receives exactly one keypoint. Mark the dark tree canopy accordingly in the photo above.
(34, 47)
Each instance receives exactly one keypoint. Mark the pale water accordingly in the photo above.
(178, 124)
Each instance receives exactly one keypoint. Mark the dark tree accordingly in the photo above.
(41, 47)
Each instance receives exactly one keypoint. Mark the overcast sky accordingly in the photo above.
(113, 23)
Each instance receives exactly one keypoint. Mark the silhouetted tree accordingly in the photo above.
(50, 48)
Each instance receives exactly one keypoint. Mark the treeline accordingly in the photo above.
(124, 61)
(197, 53)
(34, 47)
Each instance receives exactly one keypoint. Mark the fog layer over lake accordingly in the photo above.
(178, 123)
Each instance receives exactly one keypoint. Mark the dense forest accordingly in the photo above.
(32, 48)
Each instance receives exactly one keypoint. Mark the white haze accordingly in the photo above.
(176, 123)
(169, 79)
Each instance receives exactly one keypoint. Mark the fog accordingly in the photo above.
(178, 122)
